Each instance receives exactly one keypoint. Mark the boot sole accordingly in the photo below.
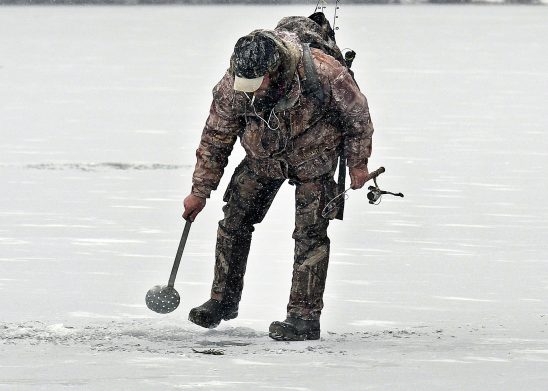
(204, 321)
(285, 332)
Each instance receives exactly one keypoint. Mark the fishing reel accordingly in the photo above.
(374, 196)
(375, 193)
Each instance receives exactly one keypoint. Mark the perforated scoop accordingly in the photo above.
(164, 299)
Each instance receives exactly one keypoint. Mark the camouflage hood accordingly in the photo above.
(289, 48)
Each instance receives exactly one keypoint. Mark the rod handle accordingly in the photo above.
(374, 174)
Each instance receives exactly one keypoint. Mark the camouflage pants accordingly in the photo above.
(248, 198)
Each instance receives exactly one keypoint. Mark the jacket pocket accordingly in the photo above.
(321, 164)
(259, 142)
(313, 144)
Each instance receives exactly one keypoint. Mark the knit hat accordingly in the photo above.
(254, 56)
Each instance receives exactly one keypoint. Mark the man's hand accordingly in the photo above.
(358, 177)
(193, 205)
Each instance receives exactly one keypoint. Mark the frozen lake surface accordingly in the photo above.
(101, 110)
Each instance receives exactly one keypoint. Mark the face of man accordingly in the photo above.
(270, 91)
(263, 89)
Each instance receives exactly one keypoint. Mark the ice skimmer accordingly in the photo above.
(165, 298)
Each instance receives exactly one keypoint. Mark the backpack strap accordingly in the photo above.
(311, 85)
(313, 88)
(341, 185)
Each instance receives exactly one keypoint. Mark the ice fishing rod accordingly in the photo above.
(322, 5)
(335, 17)
(348, 54)
(374, 195)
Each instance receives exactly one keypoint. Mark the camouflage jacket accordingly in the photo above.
(308, 134)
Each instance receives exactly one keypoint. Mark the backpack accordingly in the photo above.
(314, 31)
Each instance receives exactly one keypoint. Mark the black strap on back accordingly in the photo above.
(311, 85)
(341, 185)
(313, 88)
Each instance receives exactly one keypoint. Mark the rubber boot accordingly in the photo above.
(295, 329)
(210, 314)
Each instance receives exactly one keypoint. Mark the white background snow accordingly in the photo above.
(101, 109)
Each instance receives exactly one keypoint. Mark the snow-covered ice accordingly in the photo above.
(101, 109)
